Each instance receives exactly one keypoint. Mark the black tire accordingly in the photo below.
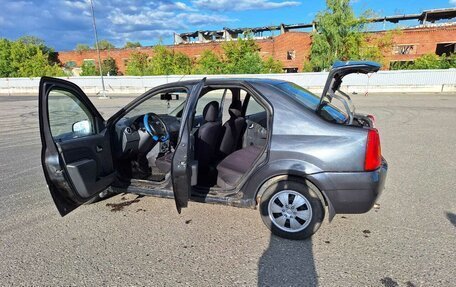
(317, 212)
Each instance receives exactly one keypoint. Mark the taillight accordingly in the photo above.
(373, 157)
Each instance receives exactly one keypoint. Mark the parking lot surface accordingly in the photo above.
(409, 239)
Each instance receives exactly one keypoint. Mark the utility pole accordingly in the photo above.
(103, 92)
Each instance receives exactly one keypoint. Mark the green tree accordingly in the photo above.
(307, 67)
(6, 67)
(271, 66)
(428, 61)
(433, 61)
(132, 45)
(82, 47)
(31, 40)
(27, 57)
(340, 35)
(105, 45)
(242, 57)
(168, 62)
(182, 64)
(337, 35)
(137, 64)
(161, 62)
(89, 69)
(109, 66)
(208, 64)
(450, 61)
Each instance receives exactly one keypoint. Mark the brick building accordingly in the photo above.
(292, 48)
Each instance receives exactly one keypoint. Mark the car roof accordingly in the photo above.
(227, 81)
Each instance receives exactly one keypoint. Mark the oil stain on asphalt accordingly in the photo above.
(121, 205)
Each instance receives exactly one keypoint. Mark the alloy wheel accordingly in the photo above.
(290, 211)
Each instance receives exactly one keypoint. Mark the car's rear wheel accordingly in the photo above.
(291, 209)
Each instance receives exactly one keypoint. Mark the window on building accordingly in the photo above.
(404, 49)
(125, 61)
(291, 55)
(445, 48)
(70, 64)
(290, 70)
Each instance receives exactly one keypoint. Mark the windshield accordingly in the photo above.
(327, 111)
(164, 103)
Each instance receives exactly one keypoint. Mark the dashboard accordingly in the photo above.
(131, 137)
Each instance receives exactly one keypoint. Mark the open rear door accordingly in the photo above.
(76, 151)
(338, 72)
(184, 168)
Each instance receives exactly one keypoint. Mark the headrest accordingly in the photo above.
(235, 109)
(210, 112)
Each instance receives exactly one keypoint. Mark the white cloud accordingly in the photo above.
(202, 19)
(153, 20)
(241, 5)
(63, 24)
(453, 2)
(82, 5)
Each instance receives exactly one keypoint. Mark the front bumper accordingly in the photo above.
(352, 192)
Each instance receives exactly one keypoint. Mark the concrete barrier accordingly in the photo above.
(409, 81)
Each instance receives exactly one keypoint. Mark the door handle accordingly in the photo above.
(99, 148)
(251, 126)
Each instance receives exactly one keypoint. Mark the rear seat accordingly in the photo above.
(234, 166)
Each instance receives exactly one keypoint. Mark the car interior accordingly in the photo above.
(230, 131)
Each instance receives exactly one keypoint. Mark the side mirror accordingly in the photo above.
(82, 128)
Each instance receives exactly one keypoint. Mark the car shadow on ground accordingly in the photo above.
(452, 218)
(287, 263)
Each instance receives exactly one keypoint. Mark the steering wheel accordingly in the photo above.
(155, 127)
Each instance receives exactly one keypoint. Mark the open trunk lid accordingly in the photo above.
(336, 74)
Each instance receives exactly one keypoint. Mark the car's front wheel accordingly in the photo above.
(291, 209)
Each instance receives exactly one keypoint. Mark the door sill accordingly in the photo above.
(156, 191)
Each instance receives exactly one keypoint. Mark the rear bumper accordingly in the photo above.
(352, 192)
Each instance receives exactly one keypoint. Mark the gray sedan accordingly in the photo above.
(241, 142)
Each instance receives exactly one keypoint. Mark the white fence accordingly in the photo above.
(413, 81)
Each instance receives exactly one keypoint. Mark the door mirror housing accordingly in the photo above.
(82, 128)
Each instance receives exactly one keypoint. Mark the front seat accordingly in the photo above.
(234, 128)
(207, 139)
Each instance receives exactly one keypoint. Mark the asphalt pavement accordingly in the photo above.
(409, 239)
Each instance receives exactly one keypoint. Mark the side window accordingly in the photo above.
(253, 107)
(68, 117)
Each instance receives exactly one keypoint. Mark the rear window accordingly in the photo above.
(300, 94)
(329, 111)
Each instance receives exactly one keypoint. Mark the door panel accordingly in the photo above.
(183, 162)
(255, 134)
(76, 151)
(89, 162)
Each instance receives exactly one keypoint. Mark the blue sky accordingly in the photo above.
(64, 23)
